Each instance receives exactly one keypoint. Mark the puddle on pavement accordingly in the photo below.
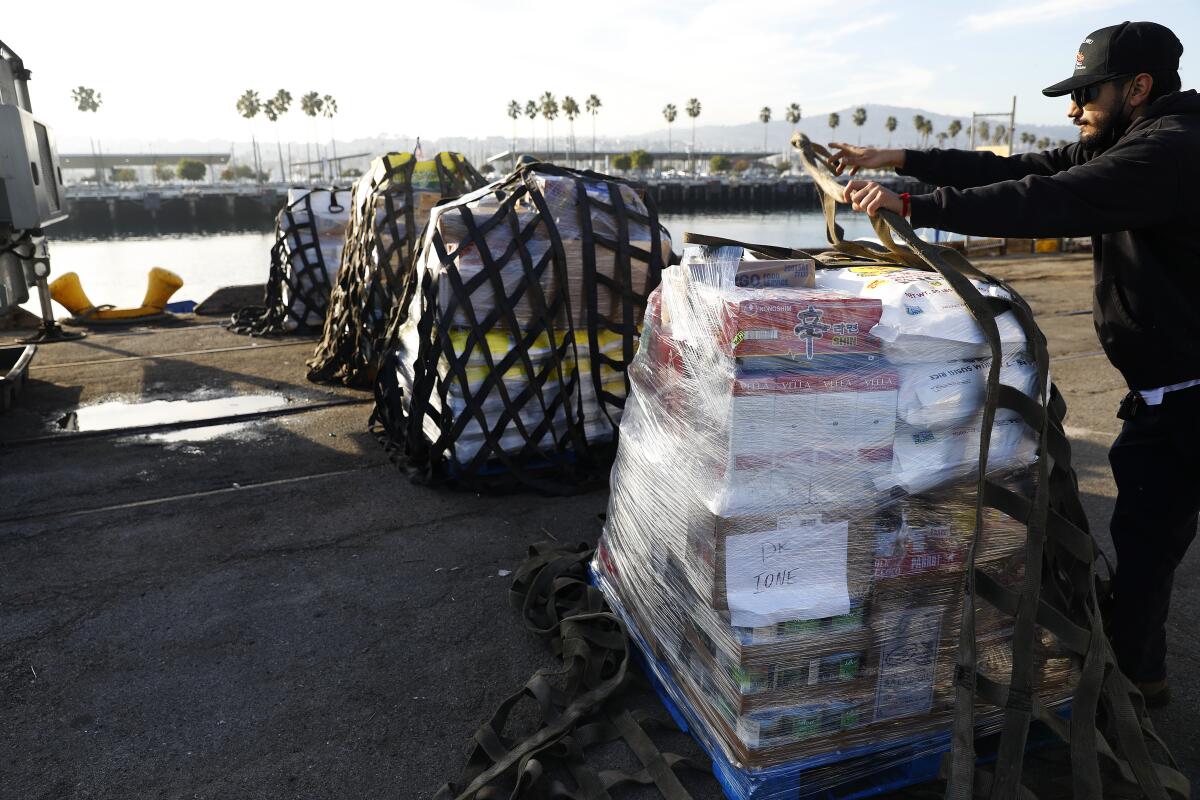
(206, 434)
(117, 414)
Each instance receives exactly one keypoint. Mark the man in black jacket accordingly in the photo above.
(1127, 183)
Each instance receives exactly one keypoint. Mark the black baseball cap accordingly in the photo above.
(1125, 49)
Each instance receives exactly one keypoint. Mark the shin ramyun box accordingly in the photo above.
(803, 324)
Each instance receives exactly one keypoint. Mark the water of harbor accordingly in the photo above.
(113, 271)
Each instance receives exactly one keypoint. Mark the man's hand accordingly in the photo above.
(869, 196)
(849, 155)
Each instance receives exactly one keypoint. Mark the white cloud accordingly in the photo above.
(1037, 12)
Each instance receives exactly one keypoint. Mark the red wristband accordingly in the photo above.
(905, 207)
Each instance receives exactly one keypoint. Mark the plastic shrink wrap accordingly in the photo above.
(527, 304)
(793, 502)
(389, 210)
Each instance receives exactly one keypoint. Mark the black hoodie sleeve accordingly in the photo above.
(964, 169)
(1135, 184)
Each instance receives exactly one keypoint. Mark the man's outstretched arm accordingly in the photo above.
(959, 169)
(1134, 185)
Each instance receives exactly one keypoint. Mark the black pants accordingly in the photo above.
(1156, 464)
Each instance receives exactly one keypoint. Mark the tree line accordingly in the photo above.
(249, 105)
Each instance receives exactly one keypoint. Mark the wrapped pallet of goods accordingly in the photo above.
(844, 533)
(812, 602)
(527, 304)
(309, 234)
(389, 210)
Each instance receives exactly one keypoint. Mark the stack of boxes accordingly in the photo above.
(793, 571)
(534, 314)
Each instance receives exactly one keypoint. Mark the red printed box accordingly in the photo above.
(803, 324)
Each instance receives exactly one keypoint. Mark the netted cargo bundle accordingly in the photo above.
(391, 206)
(845, 532)
(309, 234)
(528, 304)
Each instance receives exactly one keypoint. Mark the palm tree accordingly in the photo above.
(514, 111)
(764, 116)
(859, 119)
(549, 109)
(835, 119)
(248, 105)
(669, 114)
(999, 134)
(310, 104)
(693, 110)
(953, 129)
(328, 109)
(793, 113)
(890, 124)
(927, 131)
(919, 124)
(89, 100)
(593, 108)
(570, 110)
(531, 111)
(274, 108)
(942, 137)
(1043, 143)
(983, 131)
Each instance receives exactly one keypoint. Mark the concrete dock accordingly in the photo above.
(274, 611)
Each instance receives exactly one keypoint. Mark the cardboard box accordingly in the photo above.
(806, 324)
(797, 273)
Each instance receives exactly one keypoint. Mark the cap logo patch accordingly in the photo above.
(1079, 60)
(1088, 41)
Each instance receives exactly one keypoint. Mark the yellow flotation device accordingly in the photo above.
(160, 285)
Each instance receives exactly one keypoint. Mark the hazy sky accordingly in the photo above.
(450, 68)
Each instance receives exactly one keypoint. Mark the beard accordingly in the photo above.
(1103, 130)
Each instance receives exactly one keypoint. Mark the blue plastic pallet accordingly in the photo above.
(905, 762)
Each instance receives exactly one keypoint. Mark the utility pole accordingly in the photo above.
(1012, 124)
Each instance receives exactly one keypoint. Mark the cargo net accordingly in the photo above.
(390, 208)
(309, 233)
(509, 368)
(845, 531)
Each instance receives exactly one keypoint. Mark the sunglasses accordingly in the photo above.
(1088, 94)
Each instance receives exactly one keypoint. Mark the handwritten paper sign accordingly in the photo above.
(795, 573)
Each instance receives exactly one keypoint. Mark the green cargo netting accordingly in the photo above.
(527, 306)
(390, 208)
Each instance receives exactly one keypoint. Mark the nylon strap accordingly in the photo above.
(579, 705)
